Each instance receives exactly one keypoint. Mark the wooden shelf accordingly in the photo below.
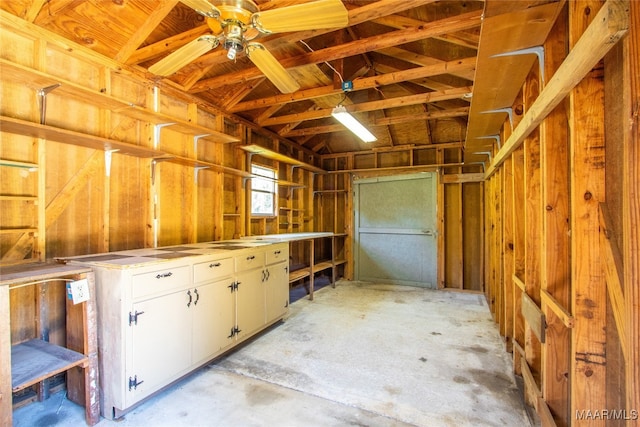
(181, 126)
(323, 265)
(18, 230)
(36, 130)
(38, 80)
(18, 198)
(291, 184)
(330, 191)
(298, 274)
(35, 360)
(16, 164)
(499, 79)
(194, 163)
(265, 152)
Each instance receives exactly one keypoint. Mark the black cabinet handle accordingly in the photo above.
(195, 291)
(249, 258)
(190, 298)
(215, 264)
(163, 275)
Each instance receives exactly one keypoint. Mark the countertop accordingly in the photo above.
(147, 256)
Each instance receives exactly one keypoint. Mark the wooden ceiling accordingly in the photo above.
(412, 64)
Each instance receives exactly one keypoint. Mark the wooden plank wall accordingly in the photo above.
(568, 247)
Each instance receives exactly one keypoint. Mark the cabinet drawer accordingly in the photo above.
(277, 254)
(160, 281)
(250, 260)
(212, 270)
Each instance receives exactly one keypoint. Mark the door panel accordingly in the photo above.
(396, 230)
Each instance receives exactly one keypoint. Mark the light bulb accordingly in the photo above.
(231, 54)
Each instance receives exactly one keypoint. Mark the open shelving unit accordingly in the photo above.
(33, 358)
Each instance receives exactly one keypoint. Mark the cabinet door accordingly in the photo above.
(277, 290)
(160, 344)
(213, 318)
(250, 311)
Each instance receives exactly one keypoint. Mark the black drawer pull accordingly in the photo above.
(214, 264)
(249, 258)
(162, 275)
(276, 252)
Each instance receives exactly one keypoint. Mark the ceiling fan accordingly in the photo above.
(235, 23)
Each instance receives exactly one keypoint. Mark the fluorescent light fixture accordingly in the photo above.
(350, 122)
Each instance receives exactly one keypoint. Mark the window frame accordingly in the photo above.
(270, 176)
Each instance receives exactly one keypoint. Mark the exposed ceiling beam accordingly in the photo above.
(153, 19)
(357, 47)
(402, 101)
(450, 67)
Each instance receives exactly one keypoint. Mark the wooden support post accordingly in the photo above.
(507, 250)
(440, 206)
(555, 263)
(533, 231)
(497, 249)
(631, 211)
(518, 253)
(589, 296)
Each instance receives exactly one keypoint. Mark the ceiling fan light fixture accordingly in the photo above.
(343, 116)
(271, 68)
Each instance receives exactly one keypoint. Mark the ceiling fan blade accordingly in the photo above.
(301, 17)
(203, 7)
(271, 68)
(181, 57)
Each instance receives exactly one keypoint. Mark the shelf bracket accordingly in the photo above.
(507, 110)
(496, 137)
(156, 133)
(107, 161)
(154, 162)
(197, 169)
(42, 98)
(536, 50)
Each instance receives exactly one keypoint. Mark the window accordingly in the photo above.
(263, 191)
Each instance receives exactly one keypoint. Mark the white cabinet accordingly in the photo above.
(164, 313)
(277, 273)
(259, 295)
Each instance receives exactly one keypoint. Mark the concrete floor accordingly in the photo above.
(360, 354)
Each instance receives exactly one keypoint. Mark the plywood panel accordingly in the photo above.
(453, 236)
(472, 228)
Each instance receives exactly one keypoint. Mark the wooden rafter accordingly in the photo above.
(460, 22)
(374, 105)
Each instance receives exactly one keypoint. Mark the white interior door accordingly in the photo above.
(395, 230)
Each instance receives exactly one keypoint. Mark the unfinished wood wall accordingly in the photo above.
(561, 226)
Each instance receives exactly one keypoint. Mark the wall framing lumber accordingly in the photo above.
(607, 28)
(587, 150)
(60, 202)
(555, 260)
(507, 251)
(613, 266)
(534, 316)
(554, 305)
(631, 210)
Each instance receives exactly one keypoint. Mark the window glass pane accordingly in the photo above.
(262, 203)
(262, 184)
(263, 191)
